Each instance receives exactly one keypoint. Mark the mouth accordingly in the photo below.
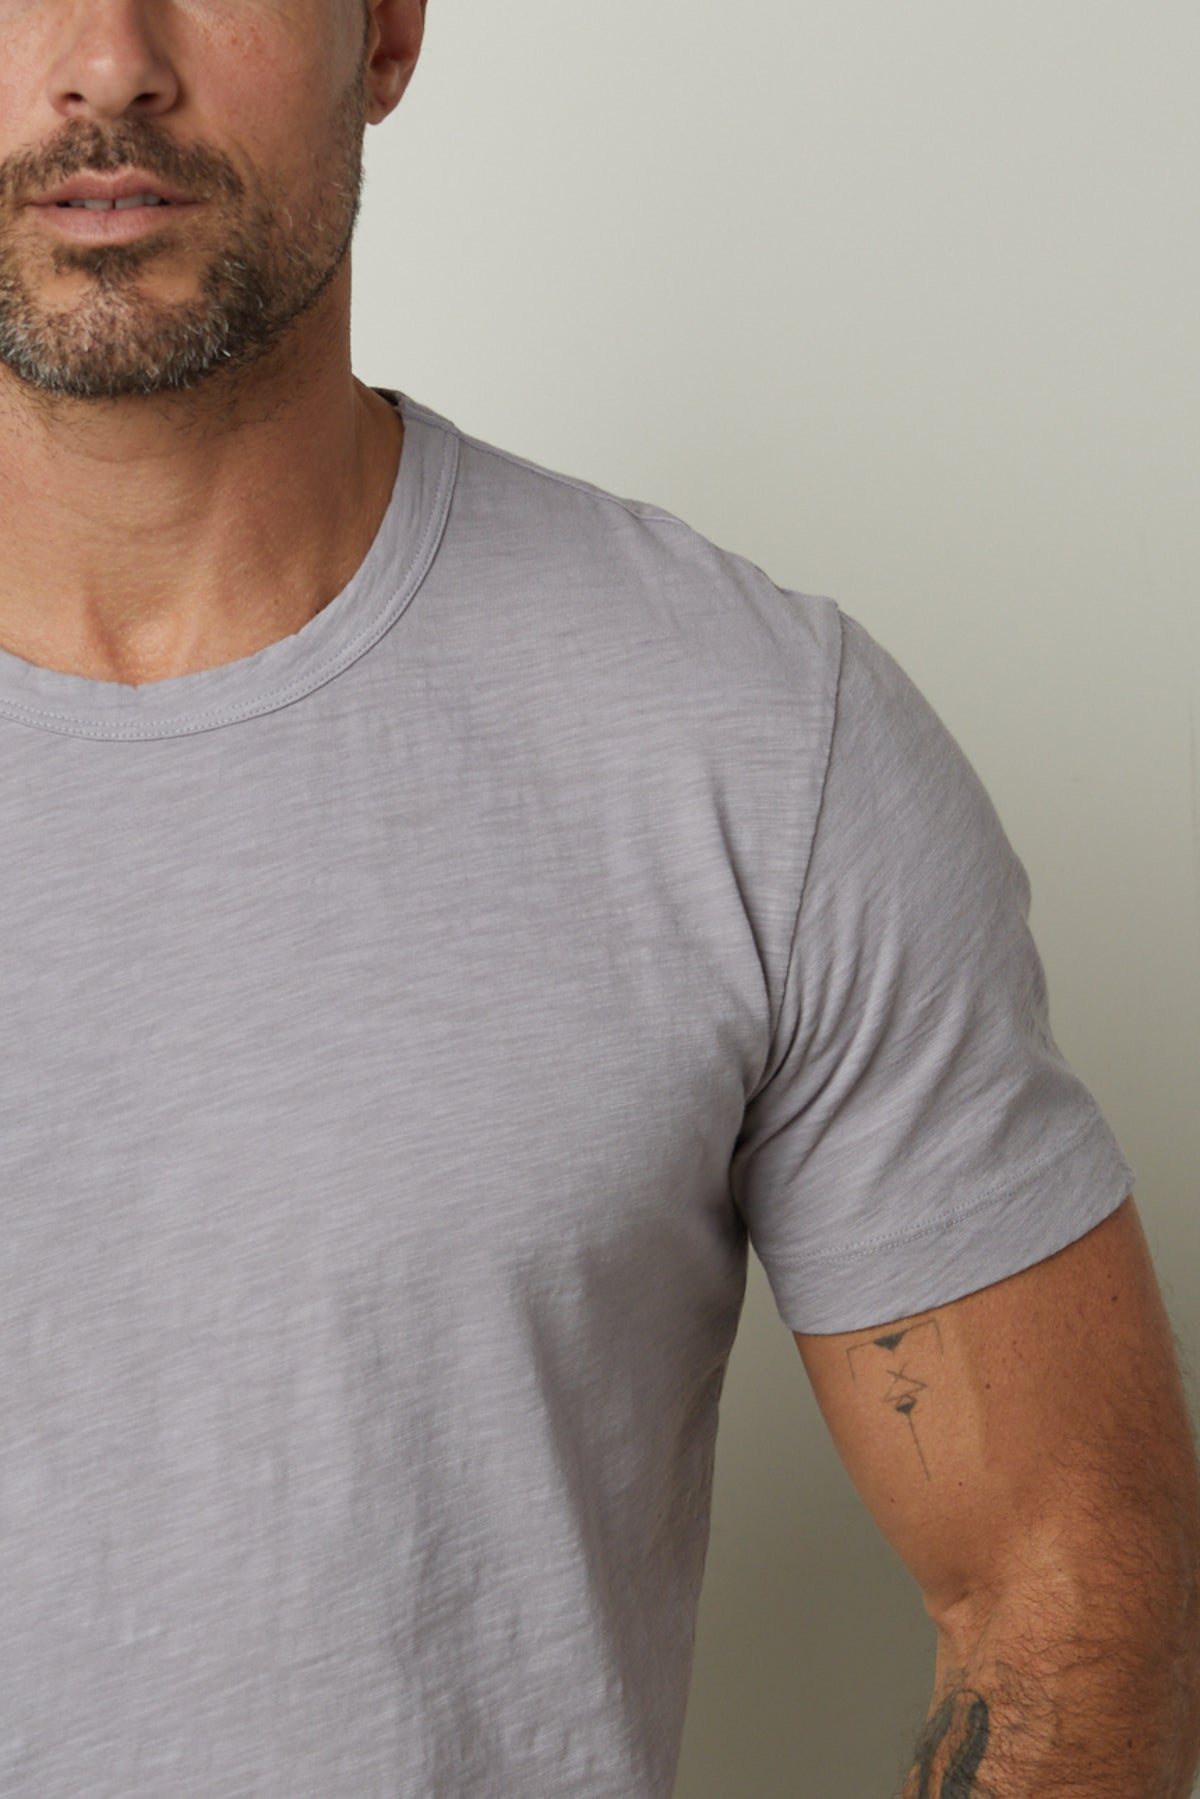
(111, 221)
(131, 184)
(125, 205)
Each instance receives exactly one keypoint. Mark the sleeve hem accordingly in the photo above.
(956, 1252)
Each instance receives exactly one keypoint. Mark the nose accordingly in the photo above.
(112, 61)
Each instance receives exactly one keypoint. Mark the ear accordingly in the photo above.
(394, 44)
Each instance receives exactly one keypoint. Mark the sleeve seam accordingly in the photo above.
(775, 1061)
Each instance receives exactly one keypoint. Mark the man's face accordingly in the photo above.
(256, 108)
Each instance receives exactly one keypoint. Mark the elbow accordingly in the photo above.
(1124, 1575)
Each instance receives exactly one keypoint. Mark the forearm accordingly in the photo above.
(1098, 1698)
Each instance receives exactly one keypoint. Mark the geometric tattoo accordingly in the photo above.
(895, 1378)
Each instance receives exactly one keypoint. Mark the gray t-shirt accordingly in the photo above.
(407, 1028)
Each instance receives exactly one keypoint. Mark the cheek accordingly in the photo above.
(270, 80)
(278, 52)
(257, 100)
(26, 62)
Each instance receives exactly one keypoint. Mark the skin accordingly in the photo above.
(189, 470)
(1027, 1450)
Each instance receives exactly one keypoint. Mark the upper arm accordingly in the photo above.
(1047, 1402)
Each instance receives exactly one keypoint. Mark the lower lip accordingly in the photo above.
(86, 226)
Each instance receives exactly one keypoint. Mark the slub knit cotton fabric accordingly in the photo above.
(408, 1028)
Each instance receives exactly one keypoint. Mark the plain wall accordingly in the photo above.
(900, 302)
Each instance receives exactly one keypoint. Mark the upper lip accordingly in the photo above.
(110, 187)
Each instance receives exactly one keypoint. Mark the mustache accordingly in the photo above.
(89, 148)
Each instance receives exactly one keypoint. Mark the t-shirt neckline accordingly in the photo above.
(385, 582)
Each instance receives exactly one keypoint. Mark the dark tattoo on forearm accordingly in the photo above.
(892, 1375)
(952, 1745)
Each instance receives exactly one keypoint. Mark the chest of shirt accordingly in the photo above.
(448, 1029)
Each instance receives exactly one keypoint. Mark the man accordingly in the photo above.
(450, 913)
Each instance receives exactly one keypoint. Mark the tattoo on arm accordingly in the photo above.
(891, 1366)
(951, 1747)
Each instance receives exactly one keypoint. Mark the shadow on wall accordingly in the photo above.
(814, 1655)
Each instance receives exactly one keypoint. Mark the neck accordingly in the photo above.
(177, 546)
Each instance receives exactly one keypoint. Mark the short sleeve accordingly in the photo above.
(917, 1134)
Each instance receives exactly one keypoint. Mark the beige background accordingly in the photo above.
(900, 301)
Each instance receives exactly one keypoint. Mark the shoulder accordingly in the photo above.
(584, 541)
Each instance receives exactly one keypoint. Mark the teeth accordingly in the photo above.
(118, 205)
